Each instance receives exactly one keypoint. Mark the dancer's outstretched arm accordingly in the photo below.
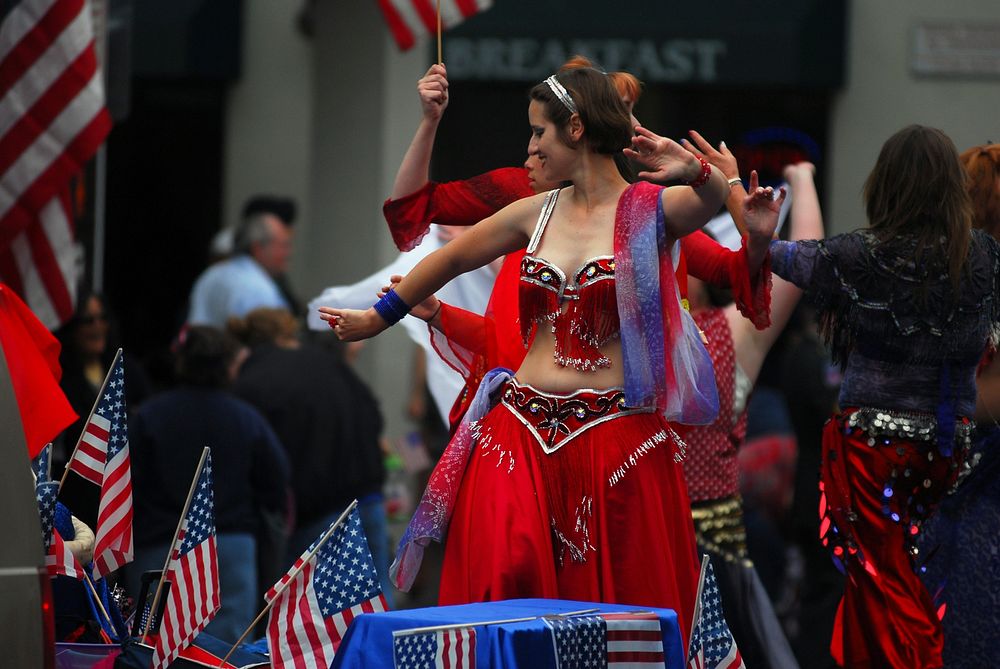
(505, 231)
(752, 345)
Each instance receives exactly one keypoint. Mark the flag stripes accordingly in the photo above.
(193, 572)
(52, 120)
(92, 452)
(409, 19)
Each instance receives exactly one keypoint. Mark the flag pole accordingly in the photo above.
(97, 401)
(291, 576)
(173, 543)
(440, 61)
(697, 603)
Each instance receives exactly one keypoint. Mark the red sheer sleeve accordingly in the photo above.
(710, 261)
(453, 203)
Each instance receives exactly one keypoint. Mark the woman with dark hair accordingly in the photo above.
(472, 344)
(166, 438)
(571, 486)
(908, 306)
(961, 541)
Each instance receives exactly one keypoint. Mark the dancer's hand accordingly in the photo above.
(666, 159)
(425, 311)
(433, 91)
(353, 324)
(722, 158)
(761, 207)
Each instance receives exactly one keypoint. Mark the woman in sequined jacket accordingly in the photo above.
(908, 305)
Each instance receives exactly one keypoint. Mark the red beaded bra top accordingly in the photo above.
(582, 312)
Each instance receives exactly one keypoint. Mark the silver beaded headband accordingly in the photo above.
(561, 93)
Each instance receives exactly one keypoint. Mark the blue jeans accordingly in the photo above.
(237, 553)
(372, 511)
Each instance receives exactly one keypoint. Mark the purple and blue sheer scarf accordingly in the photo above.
(665, 362)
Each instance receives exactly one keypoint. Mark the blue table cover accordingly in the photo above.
(368, 641)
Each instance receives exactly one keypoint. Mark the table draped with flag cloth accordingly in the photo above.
(368, 642)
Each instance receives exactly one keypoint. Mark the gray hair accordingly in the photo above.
(252, 230)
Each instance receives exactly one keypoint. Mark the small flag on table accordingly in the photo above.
(193, 570)
(59, 560)
(615, 640)
(712, 644)
(314, 603)
(440, 649)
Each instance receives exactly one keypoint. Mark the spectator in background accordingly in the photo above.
(166, 437)
(329, 423)
(89, 343)
(255, 274)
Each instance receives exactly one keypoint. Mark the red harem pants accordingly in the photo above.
(875, 493)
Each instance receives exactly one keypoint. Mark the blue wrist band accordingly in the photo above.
(391, 308)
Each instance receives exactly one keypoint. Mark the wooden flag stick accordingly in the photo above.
(96, 402)
(291, 576)
(697, 603)
(440, 61)
(173, 543)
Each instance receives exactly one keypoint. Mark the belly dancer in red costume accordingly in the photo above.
(474, 345)
(570, 486)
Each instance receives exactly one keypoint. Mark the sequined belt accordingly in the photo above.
(881, 424)
(718, 527)
(556, 419)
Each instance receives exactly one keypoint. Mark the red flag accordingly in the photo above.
(409, 19)
(52, 121)
(32, 355)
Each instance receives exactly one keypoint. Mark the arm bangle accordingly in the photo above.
(735, 181)
(701, 179)
(391, 307)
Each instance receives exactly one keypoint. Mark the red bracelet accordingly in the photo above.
(702, 179)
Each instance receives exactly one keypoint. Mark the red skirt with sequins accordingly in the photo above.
(876, 490)
(573, 497)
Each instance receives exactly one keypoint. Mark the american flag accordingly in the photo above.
(313, 607)
(52, 121)
(107, 423)
(58, 558)
(615, 640)
(193, 572)
(712, 644)
(107, 427)
(408, 19)
(440, 649)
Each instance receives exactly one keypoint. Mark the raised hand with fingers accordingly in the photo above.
(761, 207)
(722, 157)
(425, 311)
(433, 91)
(665, 159)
